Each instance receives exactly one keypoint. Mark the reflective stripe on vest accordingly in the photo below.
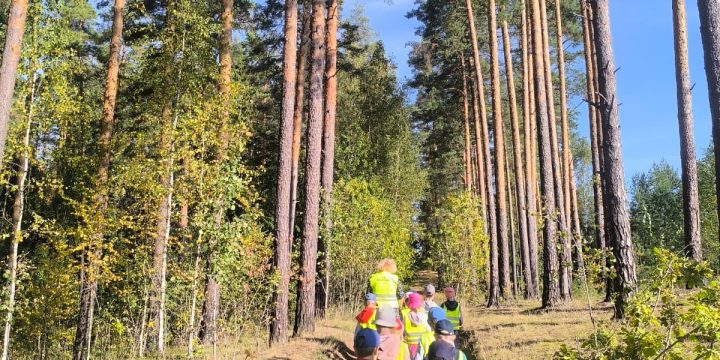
(453, 316)
(371, 323)
(385, 285)
(413, 333)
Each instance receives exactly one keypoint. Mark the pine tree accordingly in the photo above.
(617, 218)
(10, 59)
(305, 315)
(280, 321)
(551, 291)
(691, 202)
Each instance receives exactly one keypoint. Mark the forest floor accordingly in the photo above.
(516, 331)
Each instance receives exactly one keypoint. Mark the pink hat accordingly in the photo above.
(414, 301)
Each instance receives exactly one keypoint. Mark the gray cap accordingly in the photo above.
(429, 288)
(386, 317)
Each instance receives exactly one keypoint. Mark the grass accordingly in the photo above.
(520, 331)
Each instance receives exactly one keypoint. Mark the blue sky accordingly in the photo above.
(643, 43)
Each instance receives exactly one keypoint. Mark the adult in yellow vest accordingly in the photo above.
(452, 308)
(415, 325)
(386, 285)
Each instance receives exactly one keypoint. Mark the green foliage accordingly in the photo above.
(656, 212)
(459, 249)
(663, 321)
(367, 228)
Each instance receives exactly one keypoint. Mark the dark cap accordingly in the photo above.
(442, 350)
(444, 327)
(367, 339)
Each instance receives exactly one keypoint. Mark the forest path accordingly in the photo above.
(515, 331)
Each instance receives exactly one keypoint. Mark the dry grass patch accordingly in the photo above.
(520, 331)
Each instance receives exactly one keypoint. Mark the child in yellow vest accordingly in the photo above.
(415, 325)
(452, 308)
(366, 318)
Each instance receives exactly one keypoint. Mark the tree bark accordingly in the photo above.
(522, 215)
(479, 155)
(305, 317)
(617, 218)
(571, 209)
(328, 159)
(530, 272)
(513, 241)
(299, 107)
(499, 135)
(279, 322)
(551, 291)
(566, 246)
(494, 288)
(710, 30)
(88, 285)
(691, 202)
(10, 59)
(467, 154)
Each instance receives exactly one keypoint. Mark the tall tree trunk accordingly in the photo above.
(617, 218)
(710, 30)
(299, 107)
(691, 202)
(494, 288)
(280, 322)
(594, 143)
(499, 135)
(479, 155)
(88, 284)
(530, 272)
(467, 154)
(513, 241)
(17, 216)
(551, 291)
(10, 59)
(595, 139)
(571, 209)
(328, 158)
(566, 247)
(522, 215)
(305, 317)
(211, 306)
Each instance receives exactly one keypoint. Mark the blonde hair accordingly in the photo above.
(387, 265)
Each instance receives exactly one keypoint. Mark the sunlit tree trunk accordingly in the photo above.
(520, 180)
(617, 217)
(494, 288)
(299, 108)
(279, 321)
(88, 285)
(467, 153)
(691, 202)
(530, 273)
(480, 156)
(499, 136)
(328, 153)
(551, 291)
(564, 233)
(305, 317)
(10, 59)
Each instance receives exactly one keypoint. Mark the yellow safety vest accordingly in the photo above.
(371, 323)
(425, 341)
(403, 349)
(413, 333)
(453, 316)
(384, 285)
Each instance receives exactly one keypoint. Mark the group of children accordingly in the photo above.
(415, 329)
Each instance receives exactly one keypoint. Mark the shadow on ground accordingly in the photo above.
(336, 349)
